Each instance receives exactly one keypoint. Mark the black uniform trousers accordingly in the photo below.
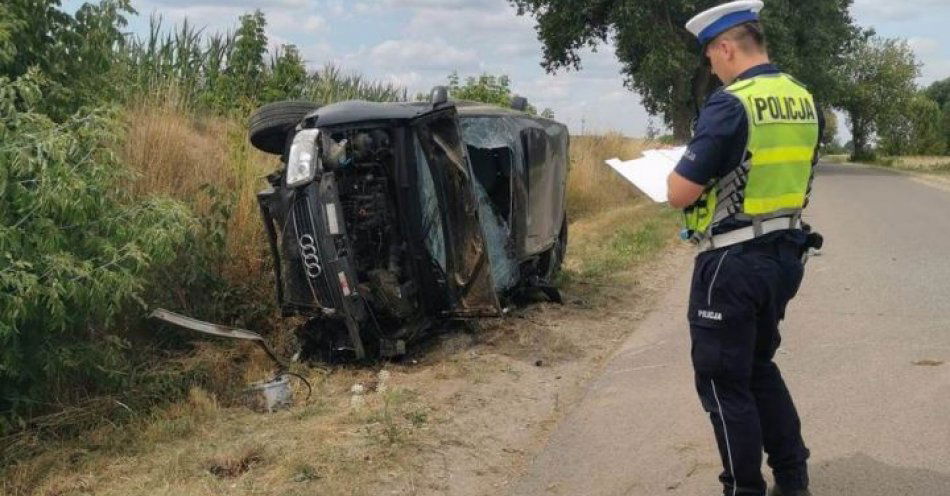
(738, 297)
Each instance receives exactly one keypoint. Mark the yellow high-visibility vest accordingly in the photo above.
(774, 178)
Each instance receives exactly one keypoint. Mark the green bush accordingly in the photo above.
(80, 256)
(73, 52)
(486, 88)
(74, 252)
(913, 129)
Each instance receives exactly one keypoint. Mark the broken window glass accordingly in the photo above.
(491, 142)
(431, 217)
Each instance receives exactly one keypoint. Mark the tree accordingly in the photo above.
(830, 133)
(939, 92)
(929, 126)
(485, 88)
(286, 75)
(915, 130)
(245, 67)
(488, 88)
(73, 55)
(661, 60)
(877, 84)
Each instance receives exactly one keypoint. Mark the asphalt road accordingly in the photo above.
(872, 307)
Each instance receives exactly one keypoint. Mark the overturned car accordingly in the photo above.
(389, 220)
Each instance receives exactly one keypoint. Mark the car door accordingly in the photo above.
(468, 268)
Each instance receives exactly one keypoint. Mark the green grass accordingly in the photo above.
(629, 246)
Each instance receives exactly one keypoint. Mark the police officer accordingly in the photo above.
(743, 183)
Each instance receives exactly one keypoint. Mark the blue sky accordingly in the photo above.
(416, 43)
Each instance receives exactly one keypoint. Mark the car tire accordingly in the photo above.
(268, 125)
(552, 259)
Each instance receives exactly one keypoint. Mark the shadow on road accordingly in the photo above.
(861, 475)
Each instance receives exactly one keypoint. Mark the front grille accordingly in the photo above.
(304, 224)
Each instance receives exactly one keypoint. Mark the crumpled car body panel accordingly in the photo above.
(419, 214)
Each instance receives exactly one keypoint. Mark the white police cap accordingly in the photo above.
(713, 22)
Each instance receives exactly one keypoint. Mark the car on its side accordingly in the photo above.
(388, 220)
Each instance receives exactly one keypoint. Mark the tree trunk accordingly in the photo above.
(682, 124)
(859, 137)
(691, 100)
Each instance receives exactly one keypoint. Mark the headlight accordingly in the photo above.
(303, 161)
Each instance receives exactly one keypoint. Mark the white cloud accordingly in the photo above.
(316, 55)
(237, 4)
(283, 16)
(315, 23)
(437, 54)
(213, 18)
(410, 79)
(453, 5)
(336, 8)
(592, 99)
(471, 23)
(517, 50)
(902, 10)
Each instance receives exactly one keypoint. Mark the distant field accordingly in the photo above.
(929, 164)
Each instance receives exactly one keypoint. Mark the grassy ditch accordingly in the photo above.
(340, 441)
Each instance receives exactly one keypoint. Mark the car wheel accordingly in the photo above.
(552, 259)
(269, 125)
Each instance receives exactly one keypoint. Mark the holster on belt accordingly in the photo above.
(813, 239)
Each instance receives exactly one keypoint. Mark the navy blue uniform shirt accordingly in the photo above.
(719, 142)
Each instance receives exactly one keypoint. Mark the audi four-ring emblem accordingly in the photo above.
(311, 261)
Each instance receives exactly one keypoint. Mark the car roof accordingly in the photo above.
(353, 111)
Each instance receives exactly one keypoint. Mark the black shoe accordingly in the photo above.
(777, 491)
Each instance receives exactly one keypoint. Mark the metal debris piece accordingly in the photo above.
(217, 330)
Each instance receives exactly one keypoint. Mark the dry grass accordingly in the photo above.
(593, 186)
(935, 164)
(329, 445)
(232, 464)
(201, 160)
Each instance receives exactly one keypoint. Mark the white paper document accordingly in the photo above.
(649, 173)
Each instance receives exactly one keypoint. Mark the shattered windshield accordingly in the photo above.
(489, 132)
